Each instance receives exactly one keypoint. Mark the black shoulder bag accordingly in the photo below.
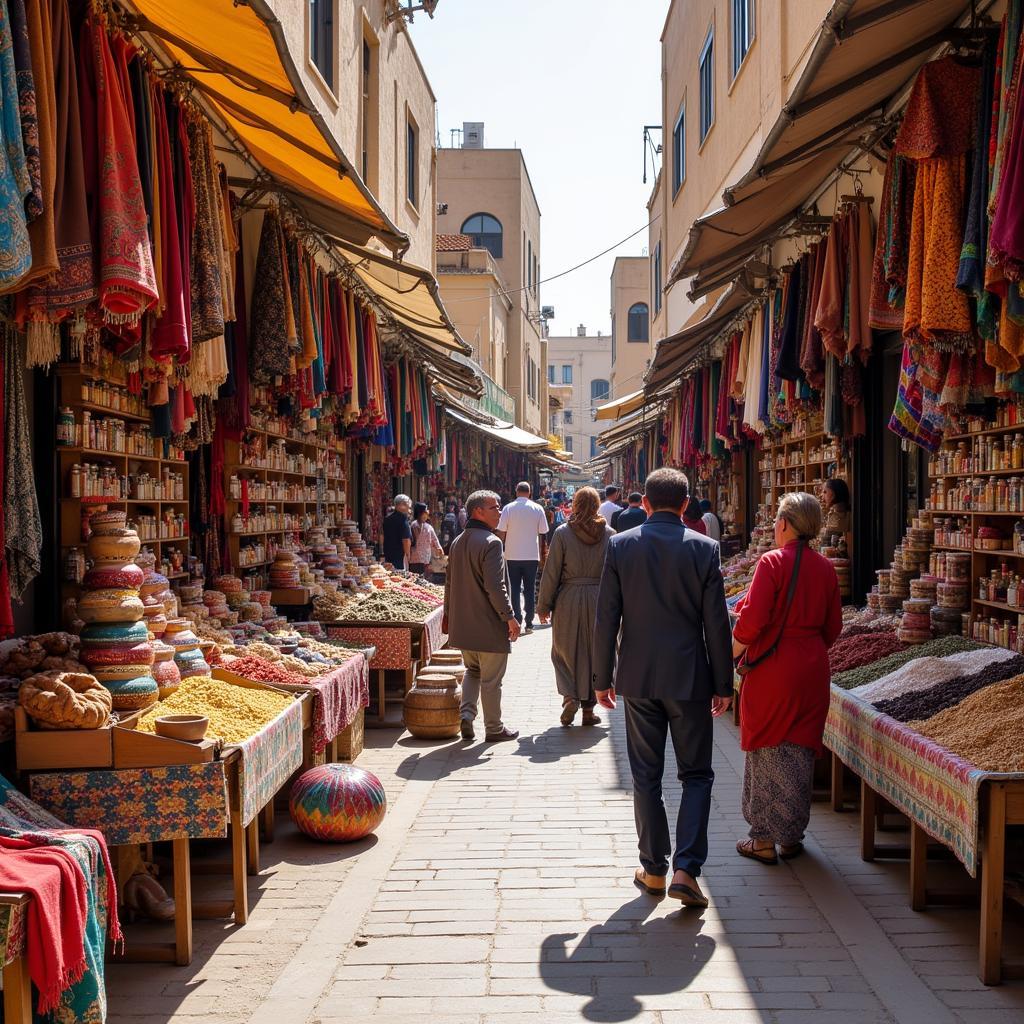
(743, 666)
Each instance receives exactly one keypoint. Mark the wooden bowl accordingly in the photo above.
(191, 728)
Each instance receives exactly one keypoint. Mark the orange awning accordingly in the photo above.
(236, 57)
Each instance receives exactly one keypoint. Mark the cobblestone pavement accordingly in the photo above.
(499, 889)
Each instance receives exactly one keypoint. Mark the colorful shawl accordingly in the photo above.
(268, 335)
(207, 280)
(127, 286)
(15, 181)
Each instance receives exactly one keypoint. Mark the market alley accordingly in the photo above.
(499, 889)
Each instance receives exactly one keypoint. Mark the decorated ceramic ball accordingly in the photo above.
(337, 803)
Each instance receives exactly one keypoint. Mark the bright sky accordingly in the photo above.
(572, 84)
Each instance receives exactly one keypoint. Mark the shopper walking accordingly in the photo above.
(450, 528)
(521, 526)
(397, 539)
(693, 518)
(425, 544)
(610, 505)
(712, 523)
(632, 515)
(568, 597)
(662, 588)
(790, 617)
(478, 615)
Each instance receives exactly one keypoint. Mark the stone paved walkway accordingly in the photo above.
(498, 890)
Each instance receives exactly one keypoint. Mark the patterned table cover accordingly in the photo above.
(394, 642)
(269, 759)
(12, 932)
(139, 805)
(433, 638)
(338, 696)
(932, 786)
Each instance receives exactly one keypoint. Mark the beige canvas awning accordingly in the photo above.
(620, 407)
(865, 53)
(235, 56)
(505, 433)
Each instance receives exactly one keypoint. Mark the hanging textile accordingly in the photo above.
(15, 182)
(268, 335)
(208, 252)
(23, 531)
(859, 297)
(829, 313)
(812, 352)
(889, 268)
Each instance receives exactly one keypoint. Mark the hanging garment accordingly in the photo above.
(127, 276)
(788, 365)
(23, 530)
(73, 286)
(828, 315)
(752, 393)
(27, 99)
(1006, 234)
(268, 337)
(859, 294)
(207, 252)
(889, 269)
(1007, 73)
(812, 352)
(15, 181)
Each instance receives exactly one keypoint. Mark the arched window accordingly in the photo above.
(599, 390)
(485, 231)
(636, 324)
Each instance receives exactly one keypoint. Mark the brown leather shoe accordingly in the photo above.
(501, 737)
(653, 885)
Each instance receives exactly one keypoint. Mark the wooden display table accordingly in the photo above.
(17, 986)
(965, 809)
(400, 646)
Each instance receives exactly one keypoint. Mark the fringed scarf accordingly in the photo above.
(207, 281)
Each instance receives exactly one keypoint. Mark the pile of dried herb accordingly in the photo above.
(940, 648)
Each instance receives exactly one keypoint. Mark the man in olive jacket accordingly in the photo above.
(672, 664)
(478, 616)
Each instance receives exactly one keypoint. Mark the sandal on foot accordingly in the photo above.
(642, 880)
(791, 851)
(764, 854)
(569, 709)
(687, 895)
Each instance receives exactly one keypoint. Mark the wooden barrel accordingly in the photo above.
(431, 709)
(432, 671)
(448, 656)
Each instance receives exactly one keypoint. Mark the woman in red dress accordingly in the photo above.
(784, 699)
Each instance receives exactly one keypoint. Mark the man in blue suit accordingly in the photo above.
(672, 665)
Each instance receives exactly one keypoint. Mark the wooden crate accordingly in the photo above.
(43, 749)
(349, 743)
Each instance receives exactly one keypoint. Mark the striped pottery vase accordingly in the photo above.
(337, 803)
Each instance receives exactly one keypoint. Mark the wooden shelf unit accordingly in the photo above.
(982, 561)
(73, 380)
(798, 464)
(326, 459)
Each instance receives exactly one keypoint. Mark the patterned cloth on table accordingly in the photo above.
(393, 643)
(140, 805)
(933, 787)
(433, 638)
(339, 695)
(268, 760)
(86, 1000)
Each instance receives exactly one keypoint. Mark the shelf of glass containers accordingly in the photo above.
(104, 410)
(985, 432)
(951, 547)
(1000, 605)
(1019, 471)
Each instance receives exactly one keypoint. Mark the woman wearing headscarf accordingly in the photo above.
(568, 592)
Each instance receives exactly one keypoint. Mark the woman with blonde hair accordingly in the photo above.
(789, 619)
(568, 597)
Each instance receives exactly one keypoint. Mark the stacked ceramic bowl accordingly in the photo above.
(188, 650)
(116, 639)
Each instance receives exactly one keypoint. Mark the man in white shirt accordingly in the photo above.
(610, 505)
(711, 521)
(521, 526)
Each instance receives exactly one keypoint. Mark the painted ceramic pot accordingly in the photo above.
(110, 606)
(165, 671)
(126, 576)
(126, 654)
(180, 636)
(156, 619)
(108, 521)
(189, 667)
(124, 634)
(120, 673)
(154, 584)
(133, 694)
(114, 547)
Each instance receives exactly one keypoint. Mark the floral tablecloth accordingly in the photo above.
(338, 696)
(393, 643)
(269, 759)
(139, 805)
(932, 786)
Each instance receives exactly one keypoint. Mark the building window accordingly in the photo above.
(567, 416)
(656, 278)
(568, 443)
(529, 265)
(486, 232)
(637, 323)
(707, 84)
(679, 152)
(551, 373)
(742, 31)
(367, 65)
(321, 38)
(599, 390)
(566, 374)
(595, 448)
(411, 162)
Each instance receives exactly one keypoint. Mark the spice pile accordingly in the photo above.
(862, 649)
(939, 648)
(925, 703)
(287, 661)
(386, 606)
(984, 729)
(250, 666)
(235, 712)
(922, 673)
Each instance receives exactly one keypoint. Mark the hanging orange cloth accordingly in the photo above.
(828, 317)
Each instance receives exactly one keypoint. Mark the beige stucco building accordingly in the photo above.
(360, 67)
(579, 366)
(488, 196)
(631, 315)
(727, 68)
